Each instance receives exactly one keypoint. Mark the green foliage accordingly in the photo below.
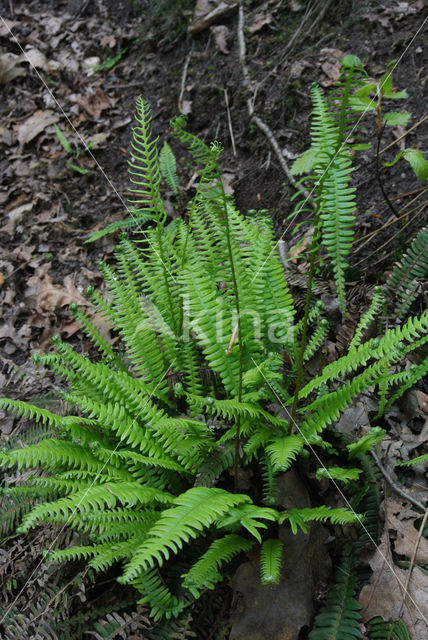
(270, 561)
(387, 630)
(168, 167)
(409, 272)
(340, 618)
(203, 317)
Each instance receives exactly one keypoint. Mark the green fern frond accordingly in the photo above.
(369, 316)
(20, 408)
(338, 473)
(95, 498)
(418, 460)
(144, 170)
(380, 629)
(283, 451)
(157, 594)
(204, 574)
(196, 509)
(340, 618)
(413, 267)
(270, 561)
(168, 167)
(298, 518)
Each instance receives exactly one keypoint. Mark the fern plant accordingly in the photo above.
(146, 470)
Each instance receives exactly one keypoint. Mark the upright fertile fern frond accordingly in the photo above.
(336, 201)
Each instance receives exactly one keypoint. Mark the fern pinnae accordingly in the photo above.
(167, 165)
(205, 572)
(270, 561)
(376, 304)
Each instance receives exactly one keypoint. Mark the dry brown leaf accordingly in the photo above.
(15, 215)
(9, 67)
(407, 534)
(6, 422)
(221, 33)
(1, 279)
(297, 67)
(94, 102)
(36, 58)
(44, 294)
(383, 596)
(295, 251)
(261, 19)
(35, 124)
(7, 26)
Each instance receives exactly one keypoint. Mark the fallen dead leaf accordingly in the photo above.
(295, 251)
(35, 124)
(330, 64)
(44, 294)
(7, 26)
(261, 19)
(221, 33)
(9, 67)
(1, 279)
(36, 58)
(6, 423)
(297, 67)
(94, 102)
(383, 596)
(15, 215)
(403, 521)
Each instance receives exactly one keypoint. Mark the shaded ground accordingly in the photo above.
(49, 208)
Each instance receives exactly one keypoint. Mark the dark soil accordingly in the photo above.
(49, 209)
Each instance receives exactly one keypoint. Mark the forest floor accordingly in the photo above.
(81, 65)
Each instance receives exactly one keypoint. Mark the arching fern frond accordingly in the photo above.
(196, 509)
(204, 574)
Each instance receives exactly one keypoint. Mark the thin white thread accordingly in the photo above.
(342, 494)
(82, 140)
(339, 150)
(15, 600)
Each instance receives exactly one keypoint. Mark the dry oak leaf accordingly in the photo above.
(35, 124)
(383, 596)
(221, 33)
(407, 534)
(49, 296)
(9, 67)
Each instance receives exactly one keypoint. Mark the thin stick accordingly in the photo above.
(246, 82)
(412, 561)
(183, 81)
(229, 120)
(250, 105)
(406, 133)
(395, 486)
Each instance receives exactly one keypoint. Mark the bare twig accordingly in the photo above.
(412, 561)
(183, 81)
(246, 82)
(229, 121)
(395, 486)
(250, 105)
(406, 133)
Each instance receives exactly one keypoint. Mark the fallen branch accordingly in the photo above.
(395, 486)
